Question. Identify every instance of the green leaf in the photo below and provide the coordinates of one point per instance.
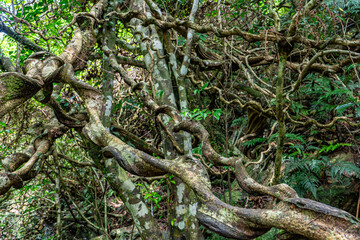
(217, 113)
(341, 108)
(160, 93)
(253, 142)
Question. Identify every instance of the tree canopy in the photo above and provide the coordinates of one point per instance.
(149, 119)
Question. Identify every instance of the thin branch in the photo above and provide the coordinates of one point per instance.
(20, 20)
(305, 71)
(21, 39)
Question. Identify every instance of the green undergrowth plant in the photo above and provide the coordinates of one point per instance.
(150, 193)
(314, 173)
(198, 114)
(329, 98)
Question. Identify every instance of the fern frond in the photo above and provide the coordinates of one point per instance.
(253, 142)
(344, 169)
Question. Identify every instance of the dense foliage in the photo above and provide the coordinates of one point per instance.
(97, 96)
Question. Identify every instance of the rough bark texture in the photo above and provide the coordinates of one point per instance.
(194, 202)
